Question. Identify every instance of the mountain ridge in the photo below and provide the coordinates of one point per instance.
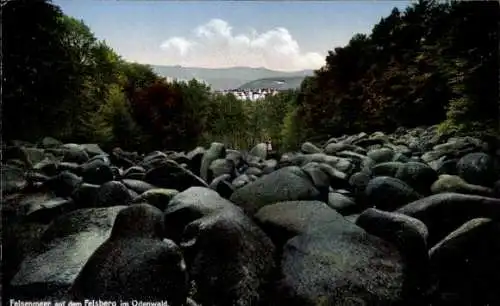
(279, 83)
(227, 77)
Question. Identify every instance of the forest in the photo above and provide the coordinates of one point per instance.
(433, 63)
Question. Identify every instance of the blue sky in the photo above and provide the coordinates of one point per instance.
(278, 35)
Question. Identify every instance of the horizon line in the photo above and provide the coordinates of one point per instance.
(223, 68)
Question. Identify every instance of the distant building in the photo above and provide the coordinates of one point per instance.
(249, 94)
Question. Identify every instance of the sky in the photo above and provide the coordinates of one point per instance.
(278, 35)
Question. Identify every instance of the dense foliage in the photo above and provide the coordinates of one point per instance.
(433, 63)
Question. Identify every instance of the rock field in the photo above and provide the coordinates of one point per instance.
(409, 218)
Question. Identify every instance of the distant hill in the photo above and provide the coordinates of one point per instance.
(227, 78)
(280, 83)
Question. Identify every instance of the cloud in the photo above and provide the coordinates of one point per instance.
(215, 45)
(179, 44)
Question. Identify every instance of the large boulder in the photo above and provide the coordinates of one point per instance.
(195, 158)
(417, 175)
(410, 236)
(20, 238)
(13, 179)
(454, 183)
(340, 264)
(388, 193)
(443, 213)
(381, 155)
(216, 151)
(190, 205)
(309, 148)
(467, 266)
(63, 184)
(134, 263)
(92, 149)
(74, 153)
(229, 258)
(158, 197)
(478, 168)
(285, 220)
(138, 186)
(49, 142)
(386, 169)
(112, 193)
(343, 204)
(219, 167)
(259, 150)
(223, 186)
(169, 174)
(96, 171)
(66, 245)
(286, 184)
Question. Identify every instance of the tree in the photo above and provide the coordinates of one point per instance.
(434, 62)
(172, 113)
(38, 69)
(113, 125)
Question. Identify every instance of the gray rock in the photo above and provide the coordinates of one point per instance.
(309, 148)
(112, 193)
(236, 157)
(478, 169)
(135, 172)
(253, 171)
(195, 156)
(333, 148)
(66, 246)
(47, 166)
(153, 160)
(285, 184)
(410, 236)
(443, 213)
(417, 175)
(216, 150)
(134, 263)
(92, 149)
(158, 197)
(222, 185)
(285, 220)
(171, 175)
(20, 238)
(44, 211)
(97, 172)
(448, 166)
(260, 150)
(388, 193)
(189, 205)
(229, 258)
(74, 153)
(466, 264)
(241, 181)
(219, 167)
(381, 155)
(270, 165)
(138, 186)
(337, 264)
(386, 169)
(359, 181)
(343, 204)
(64, 184)
(34, 155)
(49, 142)
(454, 183)
(13, 179)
